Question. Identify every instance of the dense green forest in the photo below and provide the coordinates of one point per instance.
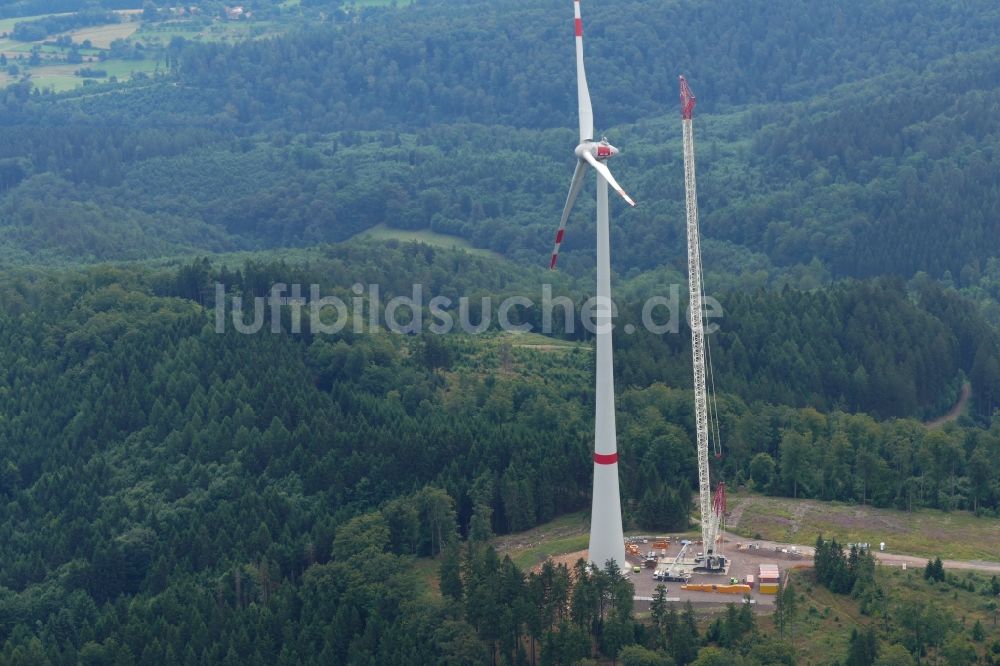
(870, 155)
(235, 476)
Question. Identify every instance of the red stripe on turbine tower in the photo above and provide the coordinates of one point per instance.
(579, 27)
(606, 459)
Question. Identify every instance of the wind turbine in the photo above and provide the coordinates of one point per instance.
(606, 537)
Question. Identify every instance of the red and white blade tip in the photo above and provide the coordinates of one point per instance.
(555, 250)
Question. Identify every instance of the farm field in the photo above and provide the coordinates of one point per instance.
(101, 36)
(60, 78)
(926, 533)
(55, 74)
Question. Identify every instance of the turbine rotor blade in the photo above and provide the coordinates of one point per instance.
(602, 169)
(582, 91)
(574, 191)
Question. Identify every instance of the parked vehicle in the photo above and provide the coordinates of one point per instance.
(671, 576)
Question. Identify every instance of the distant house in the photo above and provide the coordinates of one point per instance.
(235, 13)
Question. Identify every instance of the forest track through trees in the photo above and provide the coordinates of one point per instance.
(957, 409)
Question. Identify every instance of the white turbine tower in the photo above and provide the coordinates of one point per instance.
(606, 538)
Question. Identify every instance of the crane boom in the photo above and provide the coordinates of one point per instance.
(711, 508)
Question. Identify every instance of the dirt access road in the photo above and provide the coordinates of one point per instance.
(889, 559)
(957, 410)
(981, 566)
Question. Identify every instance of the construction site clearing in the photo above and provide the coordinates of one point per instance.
(752, 573)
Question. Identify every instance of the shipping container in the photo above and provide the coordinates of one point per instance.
(768, 588)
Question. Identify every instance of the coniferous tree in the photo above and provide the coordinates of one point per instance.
(862, 650)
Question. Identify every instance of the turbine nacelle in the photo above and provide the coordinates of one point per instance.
(588, 154)
(601, 150)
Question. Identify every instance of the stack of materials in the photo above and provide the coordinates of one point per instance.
(769, 577)
(709, 587)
